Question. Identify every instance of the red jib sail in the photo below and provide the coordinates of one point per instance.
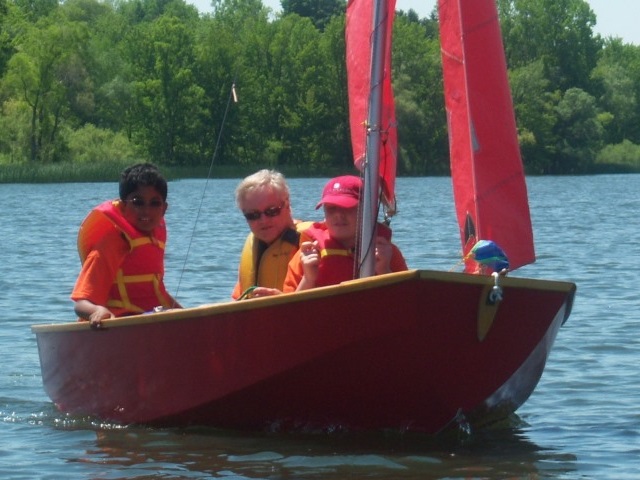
(358, 34)
(488, 178)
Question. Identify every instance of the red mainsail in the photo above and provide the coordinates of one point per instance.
(488, 178)
(358, 34)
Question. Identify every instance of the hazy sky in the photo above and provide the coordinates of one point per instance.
(617, 18)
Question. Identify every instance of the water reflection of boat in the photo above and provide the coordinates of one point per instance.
(417, 350)
(492, 453)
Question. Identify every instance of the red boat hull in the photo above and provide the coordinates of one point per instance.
(400, 351)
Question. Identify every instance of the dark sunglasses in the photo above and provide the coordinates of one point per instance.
(139, 203)
(268, 212)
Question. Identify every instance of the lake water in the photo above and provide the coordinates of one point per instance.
(582, 422)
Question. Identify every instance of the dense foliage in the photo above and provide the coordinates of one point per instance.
(87, 81)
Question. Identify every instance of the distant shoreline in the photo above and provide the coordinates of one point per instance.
(110, 172)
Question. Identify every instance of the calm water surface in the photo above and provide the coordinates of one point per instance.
(582, 422)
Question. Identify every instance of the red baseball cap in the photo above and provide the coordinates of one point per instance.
(341, 191)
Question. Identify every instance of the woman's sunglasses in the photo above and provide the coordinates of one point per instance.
(267, 212)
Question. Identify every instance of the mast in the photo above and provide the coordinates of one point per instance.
(371, 181)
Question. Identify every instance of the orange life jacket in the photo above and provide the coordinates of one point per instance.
(138, 286)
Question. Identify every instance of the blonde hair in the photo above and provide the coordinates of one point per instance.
(270, 179)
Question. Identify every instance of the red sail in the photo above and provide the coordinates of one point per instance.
(359, 27)
(488, 177)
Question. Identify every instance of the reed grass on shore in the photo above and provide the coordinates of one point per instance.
(60, 172)
(96, 172)
(110, 172)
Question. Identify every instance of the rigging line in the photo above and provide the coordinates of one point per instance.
(372, 240)
(387, 221)
(357, 264)
(232, 96)
(371, 245)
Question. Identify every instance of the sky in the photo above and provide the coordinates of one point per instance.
(616, 18)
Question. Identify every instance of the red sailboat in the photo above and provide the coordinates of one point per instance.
(464, 348)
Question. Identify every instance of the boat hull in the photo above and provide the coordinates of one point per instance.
(415, 350)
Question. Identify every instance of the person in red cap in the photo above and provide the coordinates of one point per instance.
(327, 249)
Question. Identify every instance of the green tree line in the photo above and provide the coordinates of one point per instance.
(85, 82)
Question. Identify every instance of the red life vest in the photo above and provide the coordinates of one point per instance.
(138, 286)
(337, 264)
